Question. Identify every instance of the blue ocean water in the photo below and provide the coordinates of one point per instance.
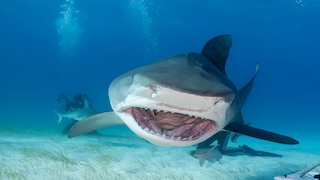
(78, 46)
(71, 46)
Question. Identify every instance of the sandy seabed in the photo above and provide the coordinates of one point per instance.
(46, 154)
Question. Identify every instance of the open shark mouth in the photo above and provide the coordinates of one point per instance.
(169, 125)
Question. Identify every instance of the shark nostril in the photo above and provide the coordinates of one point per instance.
(154, 90)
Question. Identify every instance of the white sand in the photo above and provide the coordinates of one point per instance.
(29, 154)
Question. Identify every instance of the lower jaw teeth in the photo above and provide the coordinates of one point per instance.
(163, 135)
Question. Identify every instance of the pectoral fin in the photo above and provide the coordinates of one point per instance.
(259, 133)
(94, 122)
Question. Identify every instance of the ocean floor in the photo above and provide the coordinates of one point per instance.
(119, 154)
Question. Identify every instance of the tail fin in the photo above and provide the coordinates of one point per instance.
(245, 91)
(86, 103)
(59, 116)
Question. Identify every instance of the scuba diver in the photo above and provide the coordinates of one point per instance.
(78, 101)
(76, 109)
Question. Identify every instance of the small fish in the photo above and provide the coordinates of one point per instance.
(210, 154)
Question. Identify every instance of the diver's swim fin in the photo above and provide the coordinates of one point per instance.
(259, 133)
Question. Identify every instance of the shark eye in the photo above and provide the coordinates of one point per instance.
(219, 101)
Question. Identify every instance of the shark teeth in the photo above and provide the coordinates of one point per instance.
(171, 125)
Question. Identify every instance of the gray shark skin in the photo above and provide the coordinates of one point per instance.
(77, 114)
(207, 154)
(178, 101)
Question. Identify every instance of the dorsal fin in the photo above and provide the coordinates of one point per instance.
(217, 50)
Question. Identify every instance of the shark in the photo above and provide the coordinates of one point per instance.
(77, 114)
(180, 100)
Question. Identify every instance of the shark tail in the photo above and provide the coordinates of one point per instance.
(245, 91)
(59, 116)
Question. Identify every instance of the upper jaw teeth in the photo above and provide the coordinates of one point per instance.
(172, 112)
